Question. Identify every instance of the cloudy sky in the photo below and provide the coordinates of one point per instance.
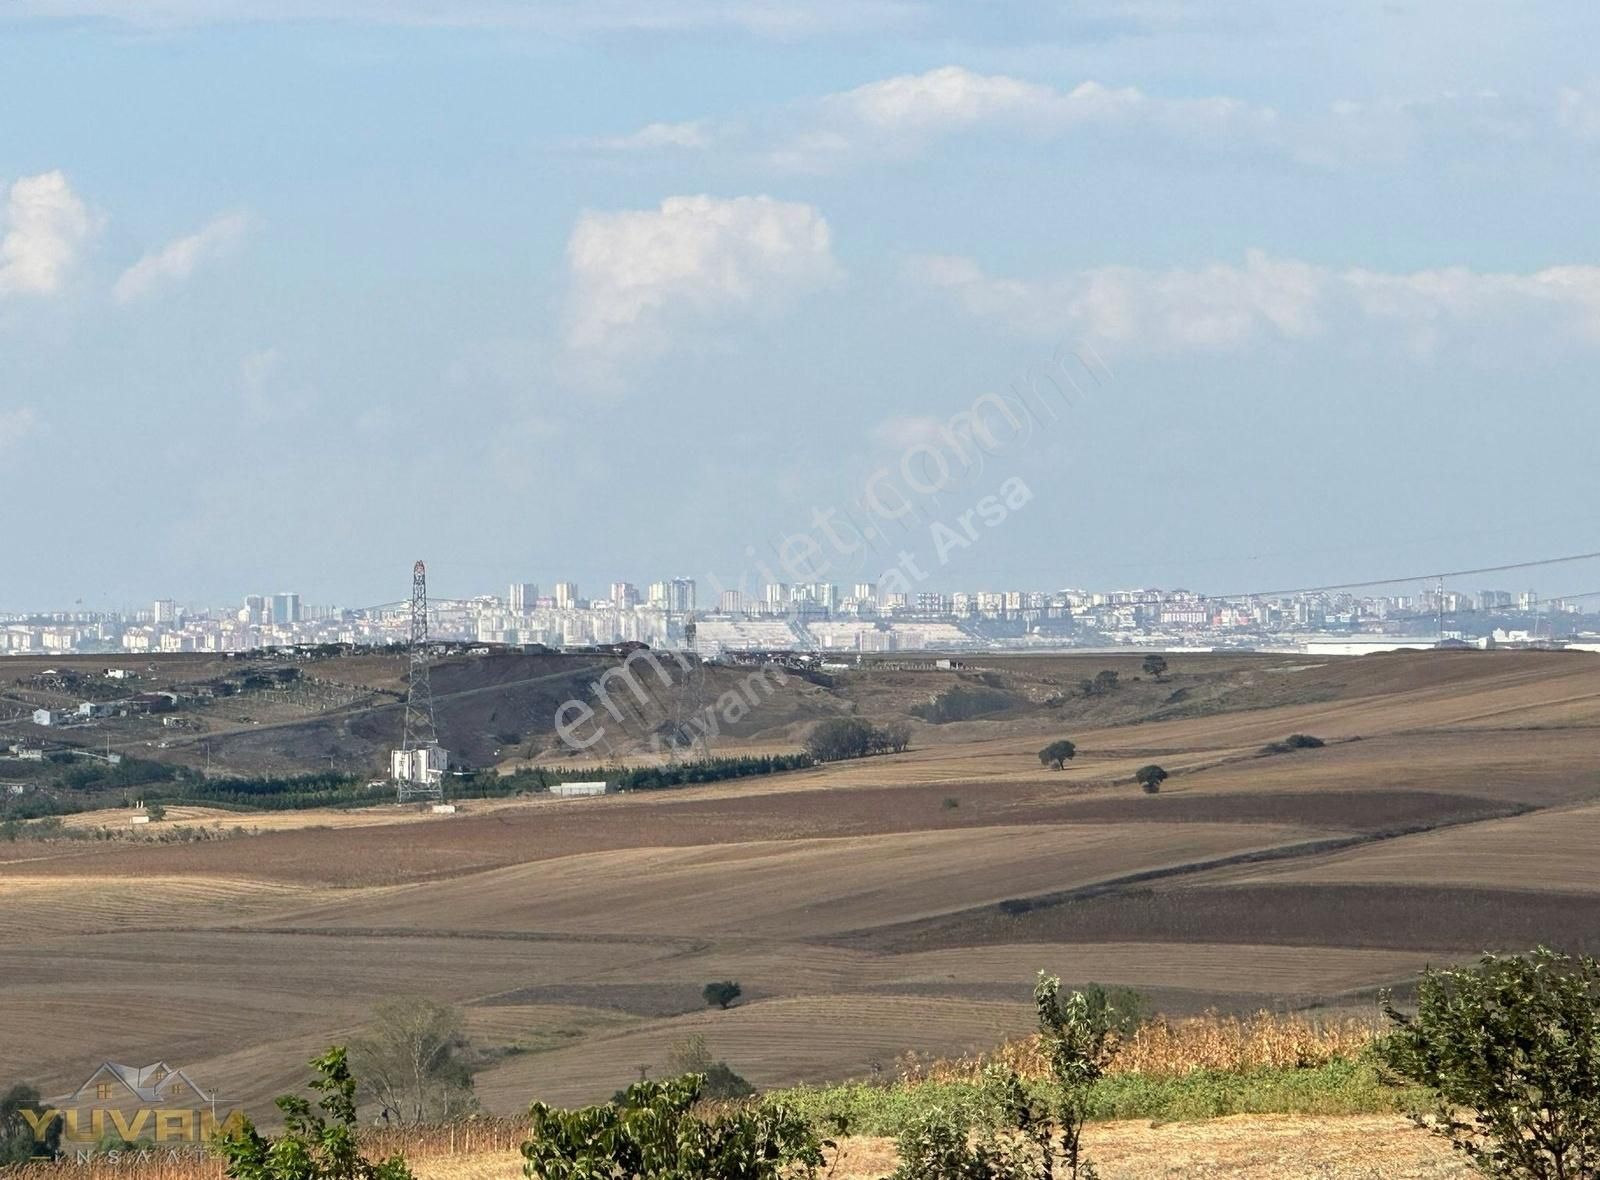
(627, 289)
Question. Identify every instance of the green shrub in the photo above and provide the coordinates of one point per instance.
(655, 1131)
(720, 993)
(941, 1146)
(313, 1146)
(1514, 1043)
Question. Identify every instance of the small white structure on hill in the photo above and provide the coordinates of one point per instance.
(577, 790)
(424, 765)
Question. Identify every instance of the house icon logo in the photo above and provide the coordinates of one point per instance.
(155, 1106)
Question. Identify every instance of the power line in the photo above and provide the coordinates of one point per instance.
(1431, 575)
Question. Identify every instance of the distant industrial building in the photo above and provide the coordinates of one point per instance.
(578, 790)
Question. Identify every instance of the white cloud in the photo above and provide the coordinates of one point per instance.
(16, 425)
(177, 260)
(658, 136)
(639, 275)
(1224, 307)
(46, 227)
(901, 114)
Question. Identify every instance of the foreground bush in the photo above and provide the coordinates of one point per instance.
(1514, 1043)
(1014, 1130)
(655, 1131)
(313, 1146)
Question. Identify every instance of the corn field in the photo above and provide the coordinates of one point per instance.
(1169, 1048)
(469, 1137)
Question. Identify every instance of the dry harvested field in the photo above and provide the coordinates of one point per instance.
(868, 909)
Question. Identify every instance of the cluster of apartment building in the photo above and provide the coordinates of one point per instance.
(824, 616)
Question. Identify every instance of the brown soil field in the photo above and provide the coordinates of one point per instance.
(1546, 850)
(900, 903)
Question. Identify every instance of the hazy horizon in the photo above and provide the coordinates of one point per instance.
(627, 291)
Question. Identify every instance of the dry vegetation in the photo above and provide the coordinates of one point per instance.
(1169, 1048)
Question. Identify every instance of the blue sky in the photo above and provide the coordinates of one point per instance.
(628, 290)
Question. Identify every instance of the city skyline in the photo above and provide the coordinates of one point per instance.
(1545, 577)
(861, 617)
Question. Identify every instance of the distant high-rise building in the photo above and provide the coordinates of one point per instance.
(522, 597)
(624, 595)
(285, 608)
(566, 595)
(731, 602)
(817, 596)
(777, 596)
(680, 595)
(165, 613)
(255, 609)
(865, 592)
(658, 595)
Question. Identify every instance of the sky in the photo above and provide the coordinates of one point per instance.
(1241, 295)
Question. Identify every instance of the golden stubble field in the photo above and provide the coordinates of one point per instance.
(868, 909)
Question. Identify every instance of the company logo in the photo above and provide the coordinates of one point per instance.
(128, 1106)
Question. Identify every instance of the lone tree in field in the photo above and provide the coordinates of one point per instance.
(1058, 754)
(1150, 778)
(1512, 1049)
(415, 1061)
(721, 992)
(1155, 665)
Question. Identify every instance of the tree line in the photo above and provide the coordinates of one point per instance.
(855, 737)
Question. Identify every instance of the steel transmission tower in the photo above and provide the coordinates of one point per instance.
(421, 734)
